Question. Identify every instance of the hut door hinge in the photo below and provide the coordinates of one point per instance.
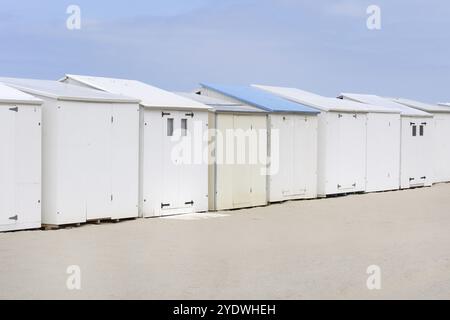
(112, 119)
(190, 115)
(165, 114)
(190, 203)
(16, 109)
(163, 205)
(14, 218)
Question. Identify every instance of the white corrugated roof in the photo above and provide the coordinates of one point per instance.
(325, 103)
(373, 99)
(11, 95)
(427, 107)
(63, 91)
(149, 96)
(220, 105)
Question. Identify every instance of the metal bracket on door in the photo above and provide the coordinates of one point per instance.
(411, 179)
(423, 178)
(424, 123)
(355, 116)
(412, 124)
(339, 186)
(354, 185)
(165, 114)
(340, 115)
(15, 218)
(191, 203)
(163, 205)
(16, 109)
(189, 114)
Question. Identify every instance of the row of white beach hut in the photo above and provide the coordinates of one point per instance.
(90, 149)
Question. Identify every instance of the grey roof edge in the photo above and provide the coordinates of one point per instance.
(423, 114)
(36, 102)
(430, 108)
(42, 93)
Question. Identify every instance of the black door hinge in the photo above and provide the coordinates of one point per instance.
(165, 114)
(189, 114)
(15, 218)
(411, 179)
(16, 109)
(163, 205)
(190, 203)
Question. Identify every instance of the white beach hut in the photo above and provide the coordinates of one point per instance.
(20, 160)
(90, 145)
(292, 161)
(441, 136)
(358, 143)
(174, 173)
(235, 184)
(416, 140)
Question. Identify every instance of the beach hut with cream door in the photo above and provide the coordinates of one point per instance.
(20, 160)
(358, 143)
(234, 183)
(292, 164)
(441, 136)
(416, 140)
(90, 147)
(174, 175)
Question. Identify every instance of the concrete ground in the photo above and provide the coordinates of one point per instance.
(317, 249)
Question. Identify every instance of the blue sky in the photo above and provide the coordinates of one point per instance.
(322, 46)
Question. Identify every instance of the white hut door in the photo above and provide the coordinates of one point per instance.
(7, 166)
(176, 186)
(97, 132)
(243, 171)
(303, 146)
(28, 165)
(352, 151)
(186, 167)
(287, 155)
(125, 158)
(423, 131)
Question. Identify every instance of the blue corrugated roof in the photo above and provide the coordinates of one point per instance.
(260, 99)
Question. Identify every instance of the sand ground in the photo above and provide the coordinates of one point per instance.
(318, 249)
